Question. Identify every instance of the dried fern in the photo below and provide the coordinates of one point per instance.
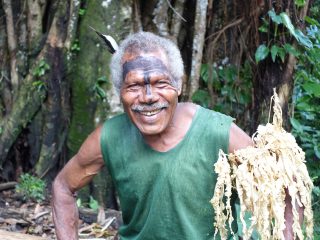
(260, 175)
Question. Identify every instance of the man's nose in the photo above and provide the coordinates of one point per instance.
(148, 95)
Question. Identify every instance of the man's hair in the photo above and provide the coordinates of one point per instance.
(146, 42)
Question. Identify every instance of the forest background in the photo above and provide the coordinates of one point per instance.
(55, 86)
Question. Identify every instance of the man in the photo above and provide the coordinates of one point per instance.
(160, 153)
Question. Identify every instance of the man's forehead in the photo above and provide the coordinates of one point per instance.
(146, 64)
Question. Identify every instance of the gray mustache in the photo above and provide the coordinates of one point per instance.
(149, 107)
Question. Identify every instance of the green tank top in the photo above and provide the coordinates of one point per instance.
(165, 195)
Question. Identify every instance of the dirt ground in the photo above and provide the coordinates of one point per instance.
(30, 217)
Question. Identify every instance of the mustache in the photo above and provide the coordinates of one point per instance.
(149, 107)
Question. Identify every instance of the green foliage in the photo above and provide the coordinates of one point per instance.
(31, 187)
(306, 119)
(75, 47)
(93, 204)
(306, 97)
(40, 70)
(262, 52)
(231, 85)
(300, 3)
(276, 46)
(98, 88)
(82, 11)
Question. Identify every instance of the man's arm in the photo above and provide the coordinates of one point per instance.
(238, 139)
(78, 172)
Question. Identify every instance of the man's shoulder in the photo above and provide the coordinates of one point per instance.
(213, 114)
(116, 119)
(114, 122)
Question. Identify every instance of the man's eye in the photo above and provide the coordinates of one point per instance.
(162, 83)
(134, 87)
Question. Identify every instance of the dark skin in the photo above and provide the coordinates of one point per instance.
(151, 102)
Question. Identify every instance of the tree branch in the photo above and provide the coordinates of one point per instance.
(73, 21)
(7, 185)
(176, 20)
(136, 16)
(218, 33)
(160, 19)
(30, 97)
(198, 42)
(12, 43)
(34, 21)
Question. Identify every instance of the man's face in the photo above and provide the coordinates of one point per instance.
(147, 93)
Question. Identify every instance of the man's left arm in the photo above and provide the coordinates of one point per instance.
(238, 139)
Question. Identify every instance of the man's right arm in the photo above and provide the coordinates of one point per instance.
(78, 172)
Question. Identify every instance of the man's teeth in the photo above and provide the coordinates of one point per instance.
(150, 113)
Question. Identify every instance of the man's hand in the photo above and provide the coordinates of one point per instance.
(78, 172)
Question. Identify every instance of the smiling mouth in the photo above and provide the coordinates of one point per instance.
(150, 113)
(149, 110)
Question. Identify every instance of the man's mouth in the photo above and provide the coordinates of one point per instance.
(149, 110)
(150, 113)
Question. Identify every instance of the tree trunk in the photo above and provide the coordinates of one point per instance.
(30, 98)
(12, 43)
(24, 108)
(92, 63)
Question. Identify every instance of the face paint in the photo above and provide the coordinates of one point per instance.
(146, 79)
(148, 75)
(147, 65)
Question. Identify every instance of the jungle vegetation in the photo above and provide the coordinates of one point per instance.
(55, 87)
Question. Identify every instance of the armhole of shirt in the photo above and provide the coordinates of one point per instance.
(103, 143)
(230, 121)
(223, 125)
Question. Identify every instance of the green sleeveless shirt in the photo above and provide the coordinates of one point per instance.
(165, 195)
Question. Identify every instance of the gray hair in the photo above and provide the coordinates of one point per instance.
(147, 42)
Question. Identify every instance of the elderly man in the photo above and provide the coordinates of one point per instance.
(160, 153)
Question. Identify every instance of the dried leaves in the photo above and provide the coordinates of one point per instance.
(261, 175)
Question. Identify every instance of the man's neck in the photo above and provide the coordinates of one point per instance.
(178, 128)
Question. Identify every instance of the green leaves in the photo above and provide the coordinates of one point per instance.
(290, 49)
(93, 204)
(296, 125)
(300, 3)
(275, 45)
(312, 21)
(312, 88)
(201, 97)
(41, 69)
(274, 17)
(261, 53)
(230, 88)
(31, 187)
(296, 33)
(98, 87)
